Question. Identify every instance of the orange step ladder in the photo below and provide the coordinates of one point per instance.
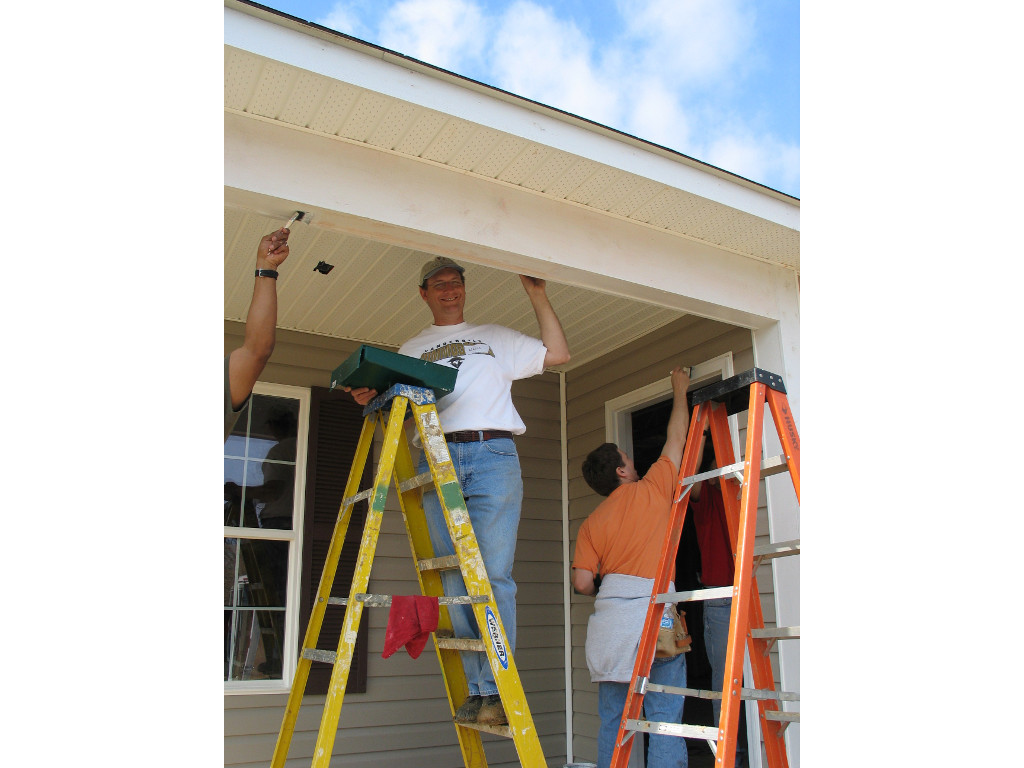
(712, 405)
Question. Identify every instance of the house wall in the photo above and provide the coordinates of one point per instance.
(403, 718)
(687, 341)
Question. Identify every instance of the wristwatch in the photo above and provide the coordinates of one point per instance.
(266, 273)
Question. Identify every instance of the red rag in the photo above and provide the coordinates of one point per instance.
(410, 621)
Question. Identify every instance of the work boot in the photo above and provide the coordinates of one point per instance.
(492, 712)
(468, 711)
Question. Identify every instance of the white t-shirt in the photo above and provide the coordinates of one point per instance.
(488, 358)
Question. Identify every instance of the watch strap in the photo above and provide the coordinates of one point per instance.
(266, 273)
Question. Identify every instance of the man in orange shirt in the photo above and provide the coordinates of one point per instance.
(618, 548)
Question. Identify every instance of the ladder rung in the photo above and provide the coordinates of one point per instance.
(778, 549)
(382, 601)
(769, 467)
(407, 485)
(497, 730)
(674, 729)
(782, 717)
(711, 593)
(348, 502)
(415, 482)
(778, 633)
(774, 466)
(752, 694)
(438, 563)
(460, 644)
(315, 654)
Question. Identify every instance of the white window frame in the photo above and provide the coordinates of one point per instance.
(618, 413)
(294, 537)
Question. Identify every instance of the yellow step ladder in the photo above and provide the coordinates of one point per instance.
(753, 391)
(390, 410)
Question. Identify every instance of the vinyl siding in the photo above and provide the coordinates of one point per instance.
(403, 718)
(687, 341)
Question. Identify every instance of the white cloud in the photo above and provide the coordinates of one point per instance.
(656, 114)
(687, 42)
(758, 158)
(344, 18)
(539, 56)
(447, 33)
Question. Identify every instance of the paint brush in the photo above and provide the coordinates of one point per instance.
(297, 216)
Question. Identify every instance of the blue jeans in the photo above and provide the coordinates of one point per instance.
(492, 484)
(716, 640)
(662, 751)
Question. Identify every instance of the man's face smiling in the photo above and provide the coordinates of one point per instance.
(445, 294)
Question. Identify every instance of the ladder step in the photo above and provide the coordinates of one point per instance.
(415, 482)
(315, 654)
(350, 500)
(450, 562)
(774, 466)
(711, 593)
(778, 549)
(408, 485)
(782, 717)
(460, 644)
(778, 633)
(752, 694)
(383, 601)
(674, 729)
(497, 730)
(769, 467)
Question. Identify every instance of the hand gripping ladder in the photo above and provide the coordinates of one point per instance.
(396, 461)
(712, 405)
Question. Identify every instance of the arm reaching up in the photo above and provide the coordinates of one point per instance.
(679, 419)
(551, 332)
(246, 363)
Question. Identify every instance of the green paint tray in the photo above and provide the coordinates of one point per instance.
(380, 370)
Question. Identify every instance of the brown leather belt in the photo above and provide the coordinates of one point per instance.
(475, 435)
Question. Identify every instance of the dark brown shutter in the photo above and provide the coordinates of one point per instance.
(335, 422)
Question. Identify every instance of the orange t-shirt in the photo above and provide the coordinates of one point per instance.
(626, 532)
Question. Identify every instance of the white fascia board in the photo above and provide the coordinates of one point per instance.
(375, 71)
(355, 188)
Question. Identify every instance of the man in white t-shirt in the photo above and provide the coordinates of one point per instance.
(479, 421)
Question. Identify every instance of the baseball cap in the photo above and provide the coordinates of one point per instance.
(435, 265)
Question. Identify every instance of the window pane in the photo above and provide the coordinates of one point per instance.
(230, 574)
(270, 469)
(235, 444)
(262, 573)
(275, 423)
(269, 490)
(253, 645)
(238, 505)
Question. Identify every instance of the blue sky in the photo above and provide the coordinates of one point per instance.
(718, 80)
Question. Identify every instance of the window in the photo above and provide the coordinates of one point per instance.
(285, 468)
(264, 485)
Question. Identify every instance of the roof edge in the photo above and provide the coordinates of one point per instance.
(333, 36)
